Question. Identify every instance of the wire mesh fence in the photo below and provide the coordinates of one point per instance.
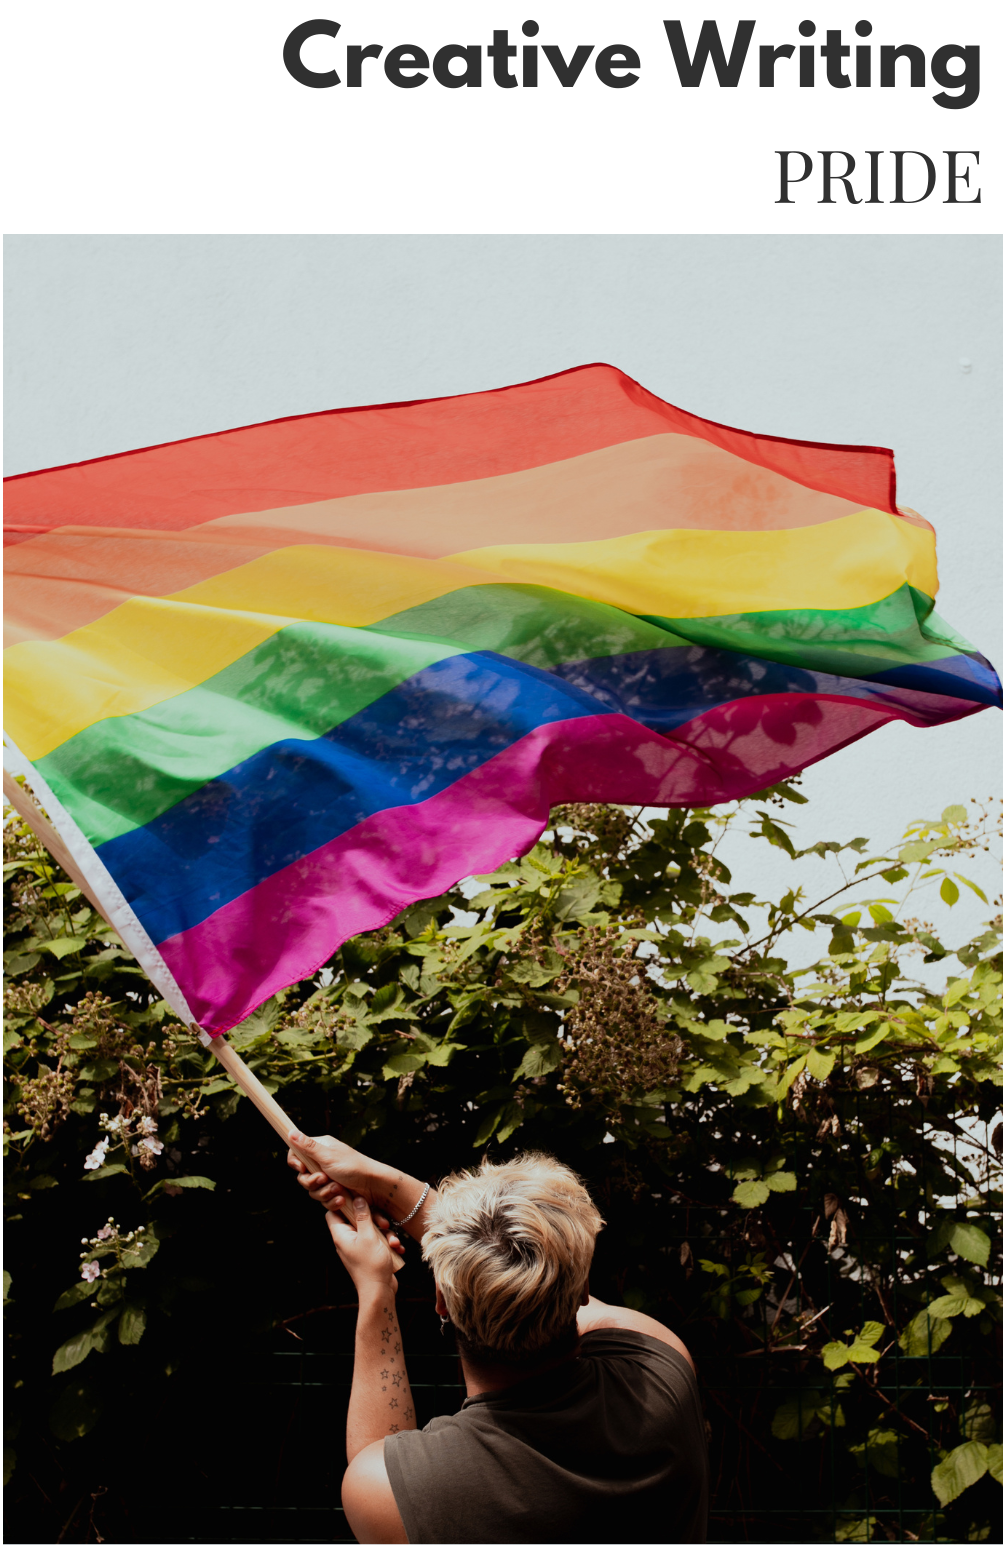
(779, 1422)
(800, 1451)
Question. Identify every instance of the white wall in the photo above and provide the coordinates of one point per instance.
(117, 342)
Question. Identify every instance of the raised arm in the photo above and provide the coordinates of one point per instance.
(381, 1402)
(385, 1188)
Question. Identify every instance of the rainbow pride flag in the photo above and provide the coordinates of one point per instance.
(276, 683)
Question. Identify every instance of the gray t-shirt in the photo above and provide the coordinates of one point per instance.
(608, 1446)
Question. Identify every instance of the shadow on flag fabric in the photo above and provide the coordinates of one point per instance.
(274, 684)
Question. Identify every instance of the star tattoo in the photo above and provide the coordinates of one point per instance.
(394, 1427)
(393, 1403)
(383, 1389)
(408, 1413)
(385, 1336)
(398, 1377)
(397, 1346)
(384, 1374)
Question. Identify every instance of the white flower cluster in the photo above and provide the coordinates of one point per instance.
(147, 1145)
(98, 1154)
(90, 1270)
(108, 1234)
(147, 1136)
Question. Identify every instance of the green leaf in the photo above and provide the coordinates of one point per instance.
(62, 947)
(94, 1339)
(142, 1250)
(75, 1295)
(443, 1055)
(775, 835)
(747, 1079)
(994, 1461)
(533, 973)
(950, 1305)
(963, 1466)
(132, 1324)
(74, 1412)
(353, 1037)
(751, 1193)
(106, 1170)
(793, 1069)
(257, 1025)
(9, 1461)
(512, 1117)
(782, 1180)
(42, 1183)
(973, 887)
(871, 1039)
(957, 990)
(850, 1530)
(539, 1060)
(863, 1354)
(949, 891)
(189, 1183)
(99, 1071)
(955, 815)
(403, 1062)
(820, 1063)
(388, 1002)
(879, 1451)
(794, 1417)
(970, 1242)
(487, 1127)
(835, 1354)
(924, 1335)
(977, 1421)
(916, 852)
(17, 965)
(578, 898)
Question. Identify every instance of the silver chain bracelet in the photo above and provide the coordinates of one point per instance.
(399, 1223)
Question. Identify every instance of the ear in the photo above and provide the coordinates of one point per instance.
(585, 1292)
(440, 1303)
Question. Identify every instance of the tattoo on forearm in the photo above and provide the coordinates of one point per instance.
(394, 1381)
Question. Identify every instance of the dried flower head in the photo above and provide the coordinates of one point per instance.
(615, 1042)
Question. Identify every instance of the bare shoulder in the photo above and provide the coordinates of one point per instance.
(368, 1500)
(595, 1315)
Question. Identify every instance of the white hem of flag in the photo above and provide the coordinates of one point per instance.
(130, 930)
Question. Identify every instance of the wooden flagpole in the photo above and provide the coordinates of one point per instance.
(231, 1061)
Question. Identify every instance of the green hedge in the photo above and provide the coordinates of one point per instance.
(793, 1163)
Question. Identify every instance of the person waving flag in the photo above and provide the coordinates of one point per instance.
(271, 685)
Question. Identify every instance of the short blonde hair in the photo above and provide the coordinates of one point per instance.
(511, 1246)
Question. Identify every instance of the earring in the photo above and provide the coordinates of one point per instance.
(443, 1322)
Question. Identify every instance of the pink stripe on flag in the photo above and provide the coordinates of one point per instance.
(286, 927)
